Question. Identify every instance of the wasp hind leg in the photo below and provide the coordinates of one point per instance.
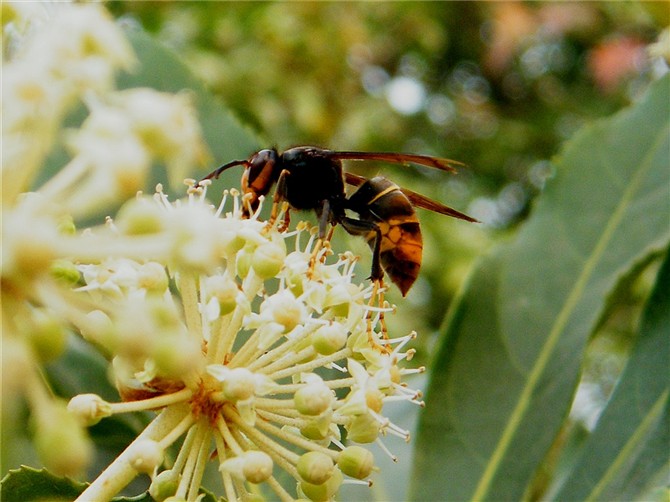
(376, 306)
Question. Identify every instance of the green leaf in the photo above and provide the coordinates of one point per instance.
(626, 456)
(91, 375)
(504, 377)
(27, 484)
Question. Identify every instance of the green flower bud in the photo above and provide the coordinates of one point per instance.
(268, 259)
(340, 298)
(315, 467)
(98, 328)
(61, 442)
(316, 430)
(66, 271)
(164, 485)
(225, 290)
(243, 262)
(66, 225)
(176, 355)
(363, 429)
(140, 217)
(153, 278)
(329, 338)
(48, 336)
(323, 491)
(356, 461)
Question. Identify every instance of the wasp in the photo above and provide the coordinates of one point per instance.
(312, 178)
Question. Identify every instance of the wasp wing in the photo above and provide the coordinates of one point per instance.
(420, 201)
(354, 179)
(398, 158)
(416, 199)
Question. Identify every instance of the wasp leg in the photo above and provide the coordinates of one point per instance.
(279, 197)
(324, 214)
(359, 227)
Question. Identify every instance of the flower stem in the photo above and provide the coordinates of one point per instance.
(121, 472)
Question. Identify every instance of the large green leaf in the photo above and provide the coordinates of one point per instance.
(27, 485)
(504, 377)
(629, 449)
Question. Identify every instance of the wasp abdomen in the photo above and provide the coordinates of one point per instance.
(401, 243)
(401, 251)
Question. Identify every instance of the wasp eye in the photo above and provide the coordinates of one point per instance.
(259, 176)
(262, 164)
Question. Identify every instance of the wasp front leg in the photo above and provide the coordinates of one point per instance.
(280, 204)
(324, 214)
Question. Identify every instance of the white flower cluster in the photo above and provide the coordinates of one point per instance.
(256, 348)
(58, 57)
(262, 355)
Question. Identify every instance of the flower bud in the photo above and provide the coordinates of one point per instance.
(257, 466)
(316, 429)
(268, 258)
(329, 338)
(164, 485)
(363, 429)
(243, 262)
(239, 384)
(17, 363)
(356, 461)
(48, 336)
(146, 455)
(286, 309)
(61, 441)
(175, 356)
(66, 225)
(315, 467)
(89, 408)
(253, 466)
(313, 398)
(140, 217)
(225, 290)
(323, 491)
(97, 327)
(341, 297)
(66, 271)
(152, 277)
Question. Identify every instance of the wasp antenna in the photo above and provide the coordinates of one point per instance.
(217, 172)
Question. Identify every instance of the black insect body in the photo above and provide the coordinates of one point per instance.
(311, 178)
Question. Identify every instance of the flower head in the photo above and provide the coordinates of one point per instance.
(249, 369)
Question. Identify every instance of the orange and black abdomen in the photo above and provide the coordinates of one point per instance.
(381, 201)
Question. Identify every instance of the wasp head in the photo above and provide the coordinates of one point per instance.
(261, 173)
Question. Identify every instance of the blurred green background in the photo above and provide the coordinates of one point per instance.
(498, 86)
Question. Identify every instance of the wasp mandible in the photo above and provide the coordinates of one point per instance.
(312, 178)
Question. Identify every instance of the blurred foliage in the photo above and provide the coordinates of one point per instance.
(497, 85)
